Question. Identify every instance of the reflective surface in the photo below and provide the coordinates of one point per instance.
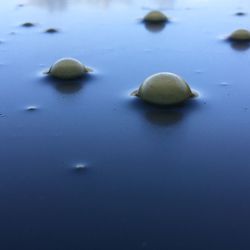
(157, 178)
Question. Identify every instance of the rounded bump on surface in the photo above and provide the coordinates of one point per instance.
(155, 16)
(240, 35)
(51, 31)
(28, 24)
(165, 89)
(68, 69)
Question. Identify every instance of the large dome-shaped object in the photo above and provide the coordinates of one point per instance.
(164, 89)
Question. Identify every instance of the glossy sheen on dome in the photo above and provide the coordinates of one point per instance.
(164, 89)
(67, 69)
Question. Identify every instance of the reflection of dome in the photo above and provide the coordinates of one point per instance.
(69, 88)
(155, 27)
(164, 117)
(240, 46)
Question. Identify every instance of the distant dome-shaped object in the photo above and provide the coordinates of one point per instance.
(155, 16)
(68, 69)
(164, 89)
(240, 13)
(51, 30)
(240, 35)
(28, 24)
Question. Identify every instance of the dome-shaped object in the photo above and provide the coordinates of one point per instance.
(68, 68)
(155, 16)
(28, 24)
(240, 35)
(164, 89)
(51, 30)
(240, 13)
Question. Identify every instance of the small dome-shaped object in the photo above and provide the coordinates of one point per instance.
(155, 16)
(240, 35)
(240, 13)
(28, 24)
(51, 30)
(68, 69)
(164, 89)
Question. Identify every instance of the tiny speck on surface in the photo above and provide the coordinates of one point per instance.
(28, 24)
(80, 166)
(224, 84)
(198, 71)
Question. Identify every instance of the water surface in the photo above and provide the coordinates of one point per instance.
(157, 178)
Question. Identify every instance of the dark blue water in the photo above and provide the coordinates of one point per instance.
(156, 178)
